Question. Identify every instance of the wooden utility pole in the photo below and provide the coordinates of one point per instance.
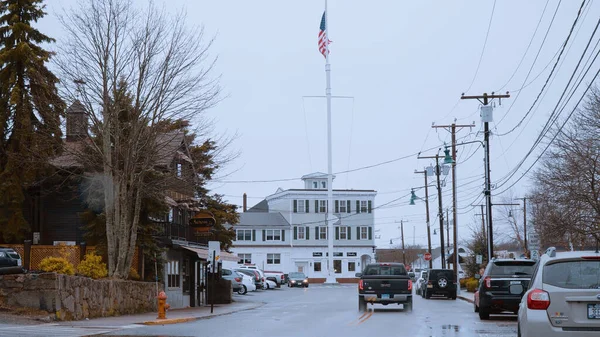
(525, 226)
(438, 172)
(486, 117)
(403, 249)
(452, 129)
(427, 217)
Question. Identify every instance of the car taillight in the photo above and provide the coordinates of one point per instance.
(360, 285)
(538, 299)
(488, 282)
(263, 279)
(409, 284)
(282, 277)
(591, 257)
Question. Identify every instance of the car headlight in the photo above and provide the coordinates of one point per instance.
(305, 281)
(293, 281)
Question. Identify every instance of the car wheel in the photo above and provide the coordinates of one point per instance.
(408, 306)
(454, 296)
(243, 290)
(475, 307)
(362, 304)
(484, 314)
(306, 286)
(518, 330)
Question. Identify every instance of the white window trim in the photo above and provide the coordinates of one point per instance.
(344, 231)
(364, 208)
(273, 234)
(322, 206)
(301, 235)
(301, 206)
(366, 233)
(322, 230)
(244, 235)
(179, 168)
(245, 256)
(271, 258)
(343, 208)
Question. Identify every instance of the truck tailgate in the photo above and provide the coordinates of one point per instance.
(385, 284)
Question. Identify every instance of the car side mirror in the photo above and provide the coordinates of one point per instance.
(358, 274)
(477, 276)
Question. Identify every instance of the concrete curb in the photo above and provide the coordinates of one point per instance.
(189, 319)
(465, 299)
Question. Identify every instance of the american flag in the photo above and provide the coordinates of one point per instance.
(323, 40)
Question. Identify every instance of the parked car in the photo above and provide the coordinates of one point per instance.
(263, 277)
(234, 277)
(440, 282)
(412, 275)
(384, 283)
(296, 279)
(563, 298)
(10, 261)
(270, 284)
(247, 283)
(255, 275)
(502, 286)
(421, 281)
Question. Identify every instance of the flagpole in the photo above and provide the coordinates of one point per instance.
(330, 270)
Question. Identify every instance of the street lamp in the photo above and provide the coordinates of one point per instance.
(447, 157)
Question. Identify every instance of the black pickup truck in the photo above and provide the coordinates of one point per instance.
(384, 283)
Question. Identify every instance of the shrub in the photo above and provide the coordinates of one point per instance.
(472, 285)
(463, 282)
(92, 266)
(57, 264)
(133, 274)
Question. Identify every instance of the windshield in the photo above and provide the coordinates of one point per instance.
(512, 268)
(297, 275)
(573, 274)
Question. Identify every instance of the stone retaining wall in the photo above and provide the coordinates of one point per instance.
(77, 297)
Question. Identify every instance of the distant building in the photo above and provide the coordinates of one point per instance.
(287, 230)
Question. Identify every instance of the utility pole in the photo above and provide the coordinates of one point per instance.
(438, 172)
(427, 217)
(483, 223)
(525, 226)
(454, 197)
(486, 118)
(447, 230)
(403, 249)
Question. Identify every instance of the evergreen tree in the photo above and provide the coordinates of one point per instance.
(30, 110)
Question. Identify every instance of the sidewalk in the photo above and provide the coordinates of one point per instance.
(173, 316)
(465, 295)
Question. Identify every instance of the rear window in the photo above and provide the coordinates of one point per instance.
(573, 274)
(385, 270)
(512, 268)
(297, 275)
(445, 273)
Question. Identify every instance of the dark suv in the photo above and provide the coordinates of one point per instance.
(440, 282)
(502, 286)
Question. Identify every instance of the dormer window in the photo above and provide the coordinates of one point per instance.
(178, 169)
(323, 184)
(315, 185)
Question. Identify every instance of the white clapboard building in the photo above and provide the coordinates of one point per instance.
(287, 231)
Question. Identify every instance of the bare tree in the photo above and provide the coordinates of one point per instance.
(135, 70)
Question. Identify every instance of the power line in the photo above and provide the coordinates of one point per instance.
(484, 44)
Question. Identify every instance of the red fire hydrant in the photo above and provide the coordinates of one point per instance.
(162, 305)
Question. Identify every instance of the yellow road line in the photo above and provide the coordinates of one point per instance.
(358, 319)
(366, 318)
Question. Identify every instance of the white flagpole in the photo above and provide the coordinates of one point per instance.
(330, 232)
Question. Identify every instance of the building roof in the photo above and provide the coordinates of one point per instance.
(318, 175)
(262, 207)
(168, 145)
(262, 219)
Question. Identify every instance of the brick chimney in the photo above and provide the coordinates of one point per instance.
(244, 202)
(76, 122)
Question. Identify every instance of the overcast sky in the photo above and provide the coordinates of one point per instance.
(405, 63)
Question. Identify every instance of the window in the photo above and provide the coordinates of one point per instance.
(301, 206)
(185, 273)
(315, 185)
(351, 266)
(317, 266)
(363, 206)
(364, 233)
(337, 266)
(273, 258)
(323, 206)
(170, 216)
(343, 233)
(273, 234)
(245, 258)
(179, 169)
(244, 235)
(343, 206)
(323, 233)
(173, 274)
(323, 184)
(301, 233)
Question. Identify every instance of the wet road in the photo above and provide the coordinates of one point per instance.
(333, 311)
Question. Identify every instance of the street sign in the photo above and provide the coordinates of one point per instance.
(427, 256)
(214, 254)
(535, 255)
(479, 259)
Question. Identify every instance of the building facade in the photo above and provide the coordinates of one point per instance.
(287, 231)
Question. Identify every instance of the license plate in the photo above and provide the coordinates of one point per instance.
(19, 263)
(593, 311)
(515, 282)
(430, 286)
(385, 296)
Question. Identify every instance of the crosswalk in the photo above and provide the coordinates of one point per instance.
(53, 329)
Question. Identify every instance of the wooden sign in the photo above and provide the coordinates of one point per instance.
(202, 219)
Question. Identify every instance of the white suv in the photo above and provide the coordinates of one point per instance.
(563, 298)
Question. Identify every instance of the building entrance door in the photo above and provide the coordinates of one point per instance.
(302, 267)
